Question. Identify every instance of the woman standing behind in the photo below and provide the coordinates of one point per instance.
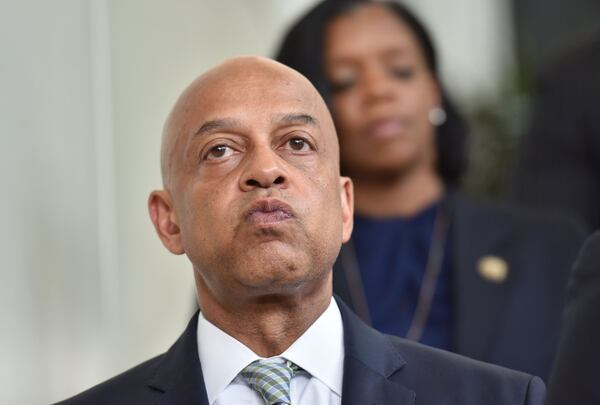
(425, 262)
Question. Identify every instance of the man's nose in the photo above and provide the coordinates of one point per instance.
(265, 169)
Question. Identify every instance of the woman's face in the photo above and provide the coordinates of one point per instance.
(382, 92)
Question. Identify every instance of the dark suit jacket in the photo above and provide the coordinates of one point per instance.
(378, 369)
(514, 323)
(559, 159)
(576, 375)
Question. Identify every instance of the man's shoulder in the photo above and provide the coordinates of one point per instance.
(128, 387)
(437, 375)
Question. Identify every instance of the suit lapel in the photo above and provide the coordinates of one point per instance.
(179, 375)
(480, 302)
(370, 361)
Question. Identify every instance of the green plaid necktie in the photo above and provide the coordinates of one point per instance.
(271, 380)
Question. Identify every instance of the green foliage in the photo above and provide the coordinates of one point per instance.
(495, 128)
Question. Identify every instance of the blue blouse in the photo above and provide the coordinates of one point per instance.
(392, 254)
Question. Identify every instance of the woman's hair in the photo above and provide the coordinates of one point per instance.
(303, 49)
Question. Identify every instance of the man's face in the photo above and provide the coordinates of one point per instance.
(256, 200)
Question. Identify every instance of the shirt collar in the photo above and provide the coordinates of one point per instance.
(319, 351)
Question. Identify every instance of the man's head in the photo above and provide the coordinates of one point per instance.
(252, 191)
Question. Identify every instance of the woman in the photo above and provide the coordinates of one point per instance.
(424, 261)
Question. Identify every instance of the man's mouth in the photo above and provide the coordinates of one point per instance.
(269, 211)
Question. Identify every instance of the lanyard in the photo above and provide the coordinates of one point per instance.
(433, 268)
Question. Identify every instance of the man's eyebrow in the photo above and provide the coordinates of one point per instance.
(296, 118)
(216, 125)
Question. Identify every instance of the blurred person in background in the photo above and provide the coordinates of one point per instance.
(575, 374)
(559, 159)
(425, 261)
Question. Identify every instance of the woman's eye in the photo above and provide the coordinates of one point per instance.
(218, 152)
(341, 86)
(299, 145)
(342, 79)
(403, 72)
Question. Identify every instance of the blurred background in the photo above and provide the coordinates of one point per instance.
(85, 86)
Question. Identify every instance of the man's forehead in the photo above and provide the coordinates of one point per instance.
(243, 100)
(276, 119)
(225, 96)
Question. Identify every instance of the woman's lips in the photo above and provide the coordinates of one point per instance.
(386, 128)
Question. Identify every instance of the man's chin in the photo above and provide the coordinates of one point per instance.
(275, 267)
(271, 248)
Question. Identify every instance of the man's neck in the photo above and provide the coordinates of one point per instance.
(268, 325)
(404, 195)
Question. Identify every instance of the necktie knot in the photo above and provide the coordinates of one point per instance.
(271, 380)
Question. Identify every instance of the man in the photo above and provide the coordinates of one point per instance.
(575, 376)
(253, 196)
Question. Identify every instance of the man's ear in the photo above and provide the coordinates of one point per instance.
(347, 198)
(162, 214)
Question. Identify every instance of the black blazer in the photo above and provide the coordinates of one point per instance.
(378, 369)
(576, 375)
(514, 323)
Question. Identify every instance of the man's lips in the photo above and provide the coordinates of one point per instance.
(269, 211)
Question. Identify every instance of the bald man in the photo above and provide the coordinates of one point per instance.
(253, 196)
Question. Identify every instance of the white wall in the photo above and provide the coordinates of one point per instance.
(474, 40)
(84, 88)
(49, 302)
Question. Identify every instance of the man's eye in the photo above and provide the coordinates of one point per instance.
(218, 152)
(299, 145)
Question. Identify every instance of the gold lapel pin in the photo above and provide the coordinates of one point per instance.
(493, 269)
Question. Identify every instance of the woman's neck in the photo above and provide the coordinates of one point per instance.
(404, 196)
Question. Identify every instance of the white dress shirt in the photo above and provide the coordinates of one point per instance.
(319, 352)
